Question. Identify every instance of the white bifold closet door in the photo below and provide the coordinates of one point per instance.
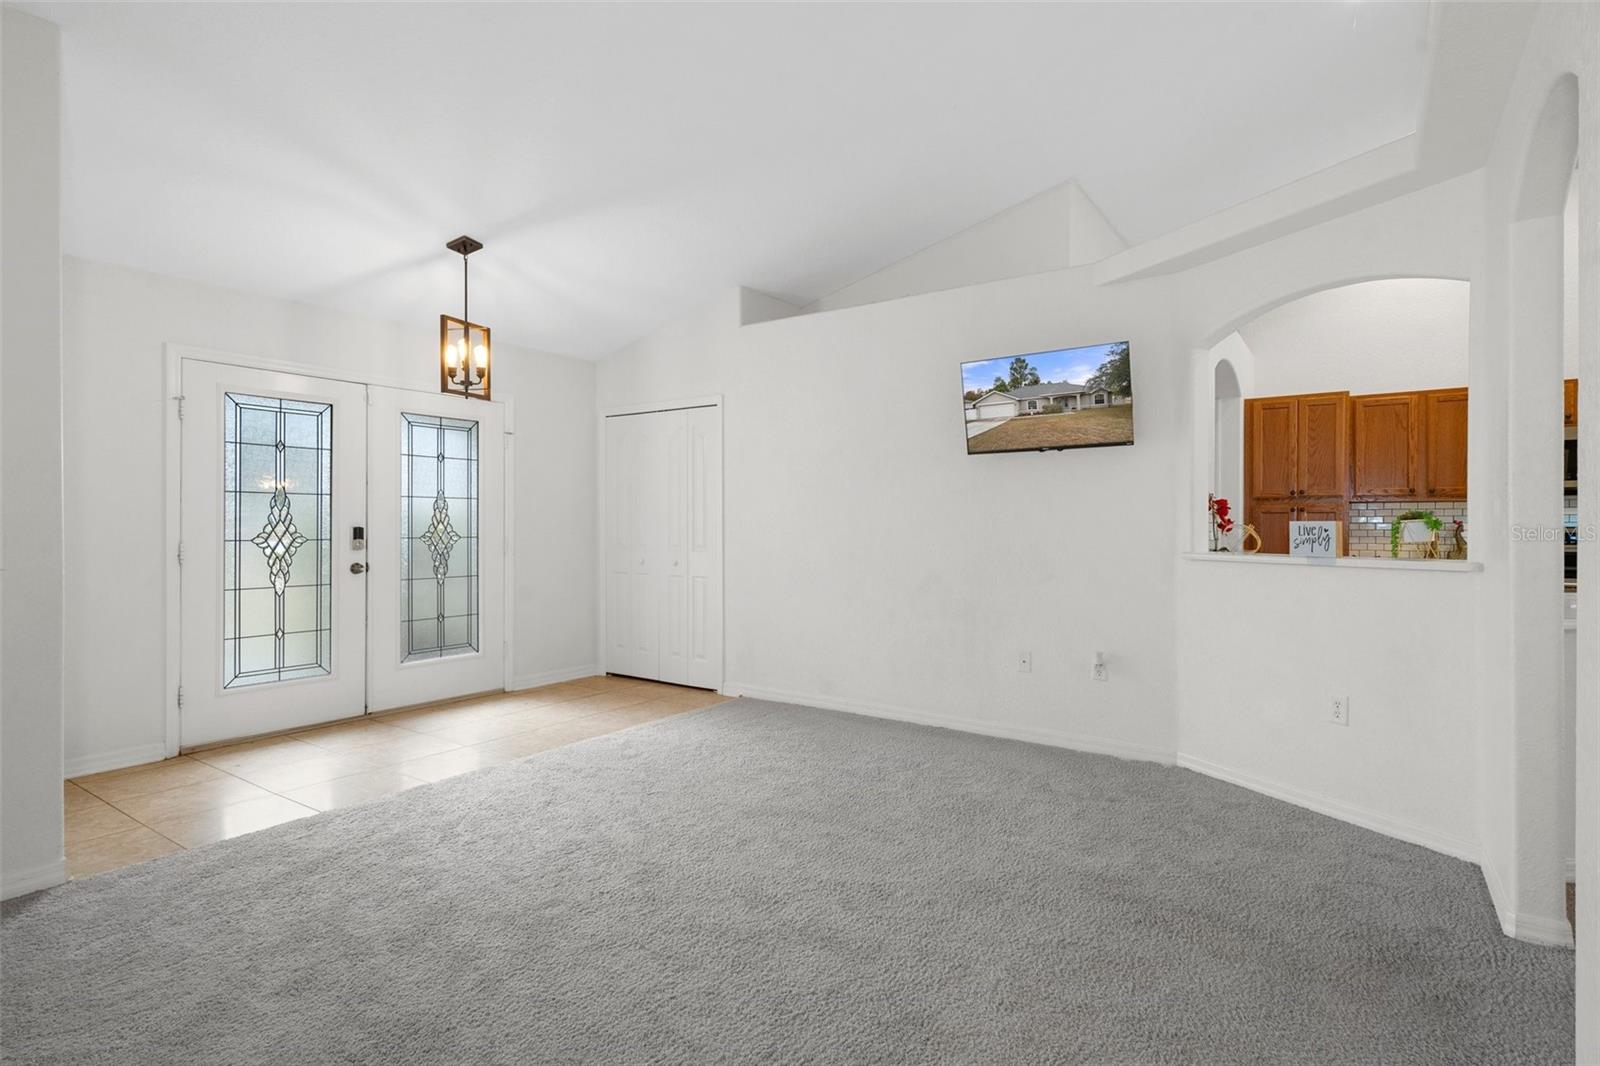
(664, 546)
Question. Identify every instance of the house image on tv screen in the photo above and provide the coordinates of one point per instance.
(1066, 398)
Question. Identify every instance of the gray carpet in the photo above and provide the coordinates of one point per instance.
(759, 883)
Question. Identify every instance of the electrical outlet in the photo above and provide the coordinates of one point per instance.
(1340, 714)
(1025, 662)
(1097, 668)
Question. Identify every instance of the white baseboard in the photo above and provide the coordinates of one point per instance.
(1552, 931)
(113, 760)
(553, 677)
(1053, 737)
(1456, 847)
(1498, 897)
(1531, 928)
(21, 882)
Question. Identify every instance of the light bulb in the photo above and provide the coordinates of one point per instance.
(452, 358)
(480, 356)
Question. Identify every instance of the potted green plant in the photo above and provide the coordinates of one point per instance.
(1413, 527)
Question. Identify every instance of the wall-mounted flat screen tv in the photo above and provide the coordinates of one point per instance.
(1044, 401)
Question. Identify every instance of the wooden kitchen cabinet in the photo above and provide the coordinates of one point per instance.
(1322, 511)
(1306, 457)
(1270, 436)
(1569, 401)
(1445, 416)
(1272, 517)
(1387, 444)
(1297, 463)
(1298, 445)
(1322, 452)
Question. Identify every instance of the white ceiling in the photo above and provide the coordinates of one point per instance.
(625, 163)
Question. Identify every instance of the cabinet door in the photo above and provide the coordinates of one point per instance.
(1271, 519)
(1322, 444)
(1446, 418)
(1271, 439)
(1387, 444)
(1569, 396)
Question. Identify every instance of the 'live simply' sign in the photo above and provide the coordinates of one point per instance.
(1316, 539)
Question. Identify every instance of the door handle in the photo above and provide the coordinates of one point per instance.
(358, 568)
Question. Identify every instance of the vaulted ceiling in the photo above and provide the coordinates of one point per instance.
(625, 163)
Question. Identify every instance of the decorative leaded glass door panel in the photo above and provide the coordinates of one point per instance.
(436, 592)
(273, 618)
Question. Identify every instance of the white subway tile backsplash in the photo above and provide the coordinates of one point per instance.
(1368, 532)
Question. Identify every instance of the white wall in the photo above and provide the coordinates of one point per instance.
(1565, 42)
(865, 565)
(1569, 277)
(1262, 649)
(1055, 230)
(865, 570)
(1517, 351)
(30, 444)
(1390, 335)
(117, 323)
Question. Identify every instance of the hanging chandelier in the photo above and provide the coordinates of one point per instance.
(464, 350)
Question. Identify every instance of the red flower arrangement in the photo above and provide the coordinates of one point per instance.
(1221, 519)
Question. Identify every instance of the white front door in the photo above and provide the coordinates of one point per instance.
(341, 550)
(436, 595)
(664, 546)
(273, 621)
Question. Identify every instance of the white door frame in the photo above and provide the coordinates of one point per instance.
(172, 487)
(714, 401)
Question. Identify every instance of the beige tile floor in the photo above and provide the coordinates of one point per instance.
(126, 816)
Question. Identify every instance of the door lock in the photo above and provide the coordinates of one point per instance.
(358, 568)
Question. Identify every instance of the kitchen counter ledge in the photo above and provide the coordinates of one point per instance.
(1344, 562)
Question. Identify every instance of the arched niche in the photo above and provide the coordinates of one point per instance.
(1227, 460)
